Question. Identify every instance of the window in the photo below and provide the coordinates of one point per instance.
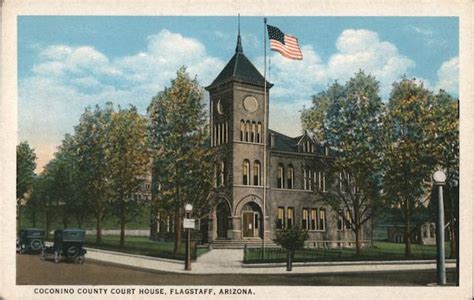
(348, 219)
(290, 217)
(323, 183)
(215, 135)
(215, 176)
(222, 137)
(305, 179)
(305, 219)
(253, 134)
(291, 177)
(256, 173)
(322, 220)
(242, 129)
(280, 218)
(246, 173)
(259, 132)
(280, 172)
(340, 220)
(247, 131)
(222, 173)
(315, 180)
(314, 219)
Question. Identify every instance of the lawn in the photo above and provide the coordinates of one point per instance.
(142, 246)
(380, 251)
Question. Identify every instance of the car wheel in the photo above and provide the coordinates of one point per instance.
(56, 257)
(80, 259)
(36, 245)
(18, 245)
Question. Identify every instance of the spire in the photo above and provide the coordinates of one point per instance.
(238, 48)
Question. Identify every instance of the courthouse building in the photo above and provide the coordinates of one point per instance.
(242, 211)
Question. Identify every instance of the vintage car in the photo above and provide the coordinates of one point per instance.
(67, 243)
(30, 240)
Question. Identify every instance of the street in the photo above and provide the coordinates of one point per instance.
(32, 271)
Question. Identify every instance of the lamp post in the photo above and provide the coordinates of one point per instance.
(188, 209)
(439, 179)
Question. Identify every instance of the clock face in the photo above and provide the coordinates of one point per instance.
(220, 107)
(250, 103)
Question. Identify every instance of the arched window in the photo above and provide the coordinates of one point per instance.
(254, 133)
(242, 130)
(246, 172)
(259, 132)
(247, 131)
(280, 177)
(291, 177)
(256, 173)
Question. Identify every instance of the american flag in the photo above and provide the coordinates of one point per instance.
(285, 44)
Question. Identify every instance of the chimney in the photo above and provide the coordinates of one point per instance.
(272, 140)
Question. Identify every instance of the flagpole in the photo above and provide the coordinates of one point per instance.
(265, 132)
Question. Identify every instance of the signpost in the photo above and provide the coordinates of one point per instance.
(188, 224)
(439, 179)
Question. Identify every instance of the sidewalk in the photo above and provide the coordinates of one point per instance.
(229, 261)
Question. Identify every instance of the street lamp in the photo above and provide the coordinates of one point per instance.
(188, 208)
(439, 179)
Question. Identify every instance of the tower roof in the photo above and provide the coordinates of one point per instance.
(240, 69)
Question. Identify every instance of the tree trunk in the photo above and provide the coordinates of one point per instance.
(18, 215)
(98, 237)
(357, 237)
(177, 231)
(289, 260)
(452, 231)
(407, 238)
(153, 223)
(48, 223)
(122, 225)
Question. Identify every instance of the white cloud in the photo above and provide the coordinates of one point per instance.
(448, 76)
(360, 49)
(66, 79)
(357, 49)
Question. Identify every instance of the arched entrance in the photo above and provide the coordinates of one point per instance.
(223, 220)
(251, 221)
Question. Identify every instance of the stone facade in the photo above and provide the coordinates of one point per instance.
(239, 98)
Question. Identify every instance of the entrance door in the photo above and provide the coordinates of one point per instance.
(222, 220)
(248, 224)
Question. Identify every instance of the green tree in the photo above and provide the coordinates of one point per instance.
(291, 239)
(347, 118)
(25, 167)
(126, 153)
(42, 198)
(179, 136)
(89, 143)
(444, 129)
(408, 153)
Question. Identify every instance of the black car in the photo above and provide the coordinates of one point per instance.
(67, 243)
(30, 240)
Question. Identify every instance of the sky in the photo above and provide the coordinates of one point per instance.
(66, 63)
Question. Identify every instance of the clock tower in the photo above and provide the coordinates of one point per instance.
(238, 121)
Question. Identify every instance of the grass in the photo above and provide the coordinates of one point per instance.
(142, 246)
(380, 251)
